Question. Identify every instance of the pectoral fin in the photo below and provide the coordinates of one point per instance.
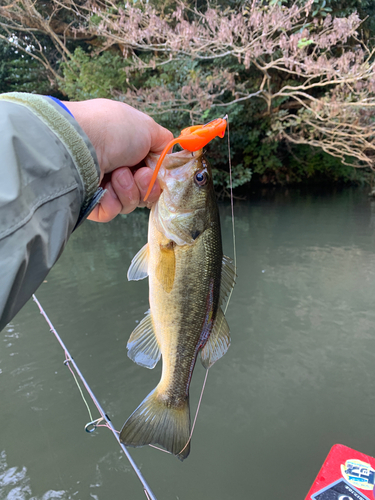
(218, 342)
(228, 278)
(138, 269)
(143, 347)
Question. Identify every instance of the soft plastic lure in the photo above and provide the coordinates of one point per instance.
(192, 139)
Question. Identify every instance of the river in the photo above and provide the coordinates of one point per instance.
(298, 377)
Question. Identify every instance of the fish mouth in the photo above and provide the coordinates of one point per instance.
(173, 160)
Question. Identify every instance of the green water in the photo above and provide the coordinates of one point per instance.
(298, 378)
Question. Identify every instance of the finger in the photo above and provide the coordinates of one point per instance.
(126, 189)
(142, 178)
(108, 207)
(160, 137)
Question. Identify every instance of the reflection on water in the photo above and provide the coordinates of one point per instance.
(15, 484)
(298, 377)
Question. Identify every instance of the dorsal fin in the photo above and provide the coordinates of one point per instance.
(218, 342)
(143, 347)
(138, 269)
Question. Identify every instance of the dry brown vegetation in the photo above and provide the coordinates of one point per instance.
(315, 75)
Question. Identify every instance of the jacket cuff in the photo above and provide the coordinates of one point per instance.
(69, 133)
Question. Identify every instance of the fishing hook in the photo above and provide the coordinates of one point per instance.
(192, 139)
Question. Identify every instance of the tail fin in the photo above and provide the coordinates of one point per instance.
(154, 422)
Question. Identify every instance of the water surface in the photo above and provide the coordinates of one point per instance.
(298, 378)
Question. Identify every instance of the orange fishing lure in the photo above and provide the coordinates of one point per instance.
(192, 139)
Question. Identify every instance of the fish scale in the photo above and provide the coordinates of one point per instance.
(185, 264)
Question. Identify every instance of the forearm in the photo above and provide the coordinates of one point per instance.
(49, 173)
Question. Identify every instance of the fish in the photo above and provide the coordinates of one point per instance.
(189, 281)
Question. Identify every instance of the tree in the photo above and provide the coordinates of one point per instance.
(284, 73)
(20, 72)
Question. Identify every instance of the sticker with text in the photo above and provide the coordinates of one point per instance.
(359, 474)
(339, 490)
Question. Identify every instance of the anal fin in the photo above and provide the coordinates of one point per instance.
(228, 278)
(218, 342)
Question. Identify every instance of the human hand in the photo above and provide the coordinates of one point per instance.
(122, 137)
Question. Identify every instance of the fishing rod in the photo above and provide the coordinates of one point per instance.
(92, 425)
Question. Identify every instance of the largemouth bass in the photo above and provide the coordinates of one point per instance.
(189, 278)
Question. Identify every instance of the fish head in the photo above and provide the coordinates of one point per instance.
(187, 206)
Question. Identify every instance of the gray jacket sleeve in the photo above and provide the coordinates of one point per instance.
(48, 176)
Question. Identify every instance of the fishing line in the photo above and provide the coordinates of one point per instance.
(93, 424)
(104, 417)
(235, 269)
(66, 363)
(196, 413)
(232, 209)
(194, 421)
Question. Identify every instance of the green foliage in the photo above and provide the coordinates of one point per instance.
(94, 72)
(89, 76)
(240, 176)
(260, 153)
(342, 8)
(20, 72)
(306, 163)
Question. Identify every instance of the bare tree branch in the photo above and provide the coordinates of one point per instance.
(316, 75)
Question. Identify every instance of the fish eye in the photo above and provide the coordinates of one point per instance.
(200, 178)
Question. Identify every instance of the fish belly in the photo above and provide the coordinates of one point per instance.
(184, 286)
